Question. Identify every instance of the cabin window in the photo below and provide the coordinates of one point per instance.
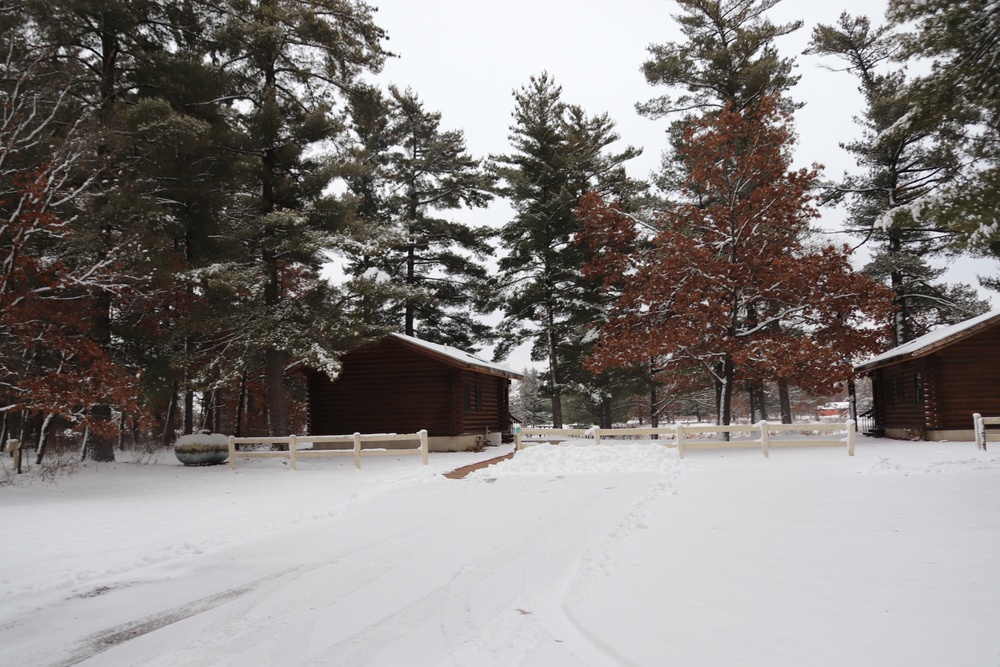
(467, 396)
(918, 387)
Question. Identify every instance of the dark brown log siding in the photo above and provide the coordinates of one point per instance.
(389, 388)
(968, 379)
(907, 396)
(486, 403)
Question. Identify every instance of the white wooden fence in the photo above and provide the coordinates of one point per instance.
(680, 434)
(293, 453)
(983, 436)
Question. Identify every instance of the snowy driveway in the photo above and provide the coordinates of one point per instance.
(810, 557)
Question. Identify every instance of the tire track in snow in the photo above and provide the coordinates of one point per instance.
(527, 567)
(100, 642)
(235, 631)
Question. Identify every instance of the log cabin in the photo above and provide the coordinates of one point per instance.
(403, 384)
(929, 388)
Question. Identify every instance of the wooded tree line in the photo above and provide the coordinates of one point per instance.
(175, 174)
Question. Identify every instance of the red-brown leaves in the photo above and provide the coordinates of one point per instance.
(730, 275)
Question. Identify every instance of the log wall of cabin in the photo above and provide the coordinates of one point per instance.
(384, 388)
(907, 397)
(480, 402)
(389, 388)
(968, 379)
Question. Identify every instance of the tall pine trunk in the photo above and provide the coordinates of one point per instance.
(901, 325)
(557, 416)
(784, 401)
(102, 447)
(410, 307)
(607, 418)
(171, 416)
(277, 405)
(275, 361)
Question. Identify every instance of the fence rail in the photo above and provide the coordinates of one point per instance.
(680, 433)
(983, 435)
(293, 453)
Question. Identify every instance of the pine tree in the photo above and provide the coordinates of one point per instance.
(527, 404)
(559, 153)
(729, 58)
(286, 64)
(961, 38)
(906, 164)
(416, 172)
(730, 284)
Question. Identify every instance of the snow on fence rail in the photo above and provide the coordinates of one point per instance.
(683, 442)
(983, 436)
(293, 453)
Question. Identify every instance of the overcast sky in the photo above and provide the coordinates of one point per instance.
(465, 58)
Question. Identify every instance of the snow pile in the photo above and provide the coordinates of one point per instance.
(584, 458)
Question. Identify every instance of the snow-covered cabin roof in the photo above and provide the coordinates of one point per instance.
(457, 357)
(932, 342)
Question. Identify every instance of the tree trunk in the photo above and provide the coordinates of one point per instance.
(188, 412)
(725, 393)
(852, 400)
(121, 432)
(784, 401)
(43, 439)
(607, 420)
(654, 414)
(168, 422)
(240, 404)
(761, 399)
(101, 448)
(901, 328)
(557, 417)
(410, 280)
(277, 405)
(217, 411)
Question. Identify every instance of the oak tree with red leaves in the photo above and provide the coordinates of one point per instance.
(50, 366)
(729, 283)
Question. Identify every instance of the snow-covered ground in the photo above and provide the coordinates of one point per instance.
(562, 556)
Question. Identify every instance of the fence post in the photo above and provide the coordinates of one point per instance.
(851, 429)
(232, 452)
(680, 440)
(597, 435)
(980, 429)
(423, 444)
(764, 444)
(517, 438)
(357, 451)
(292, 447)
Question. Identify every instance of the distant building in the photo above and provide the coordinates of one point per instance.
(402, 384)
(835, 411)
(930, 387)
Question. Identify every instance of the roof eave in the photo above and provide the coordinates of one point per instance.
(930, 348)
(457, 363)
